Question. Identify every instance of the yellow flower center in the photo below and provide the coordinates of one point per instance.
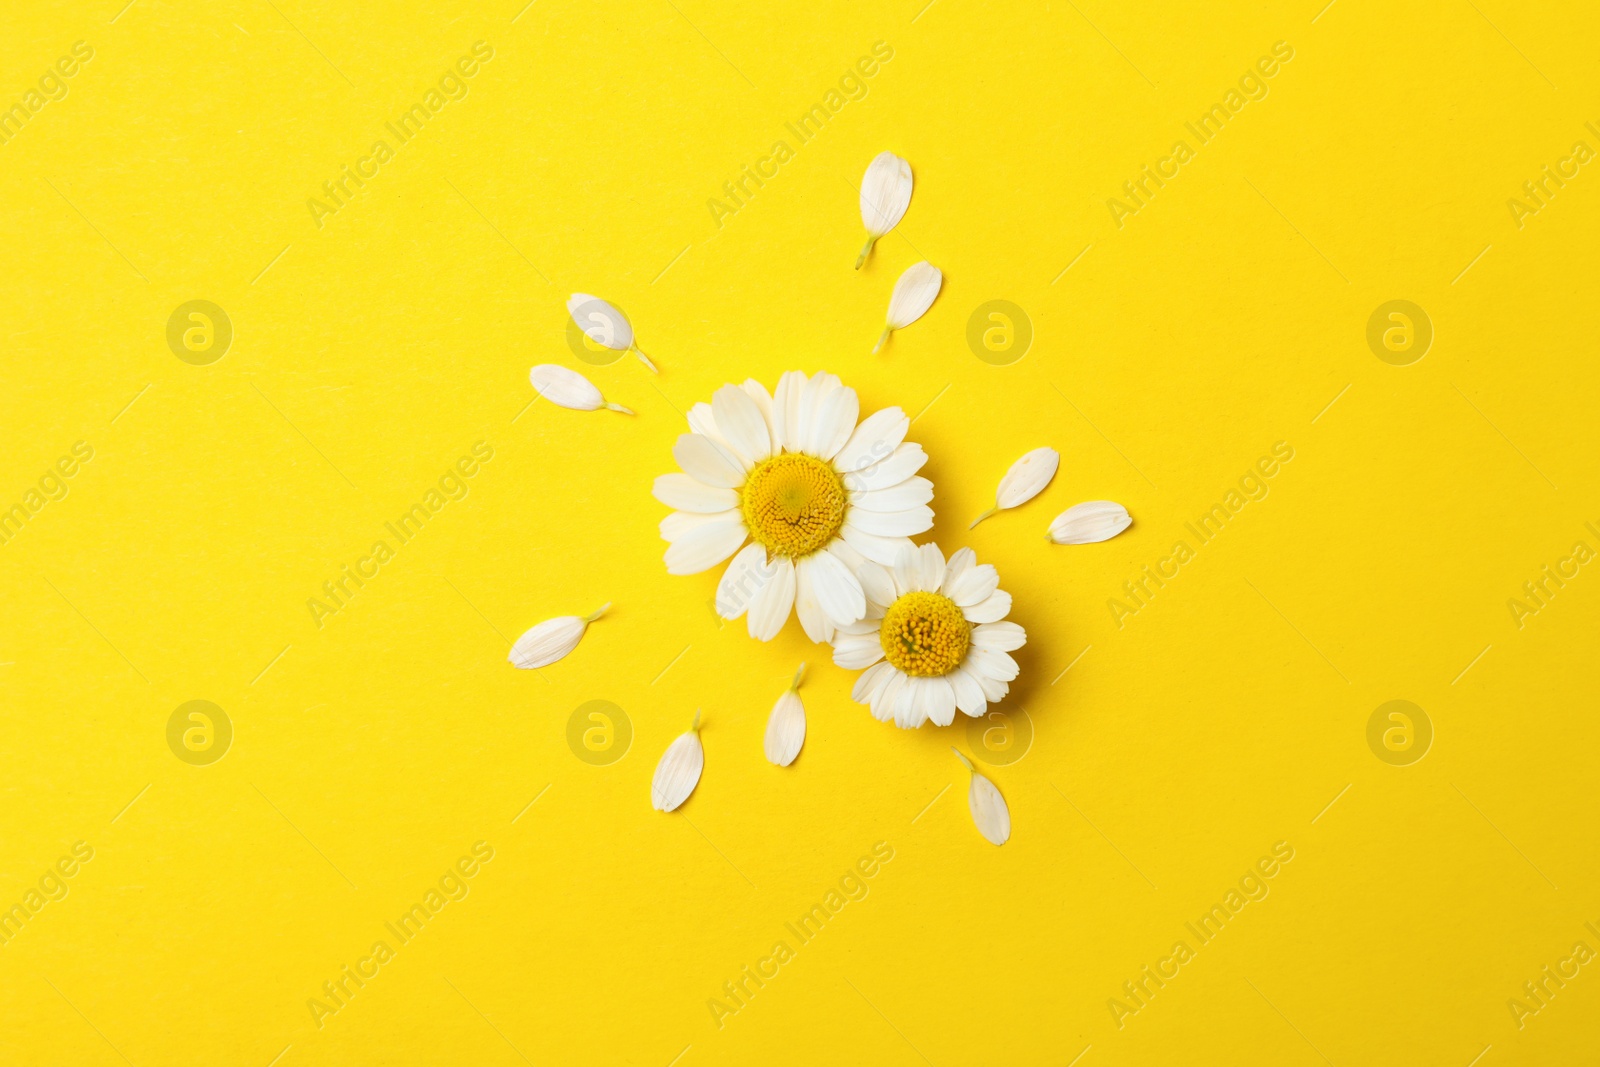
(925, 634)
(794, 504)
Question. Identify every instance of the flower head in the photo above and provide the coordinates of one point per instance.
(814, 493)
(933, 638)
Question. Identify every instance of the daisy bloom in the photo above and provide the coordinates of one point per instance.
(813, 493)
(933, 638)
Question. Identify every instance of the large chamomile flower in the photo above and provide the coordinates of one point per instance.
(814, 494)
(933, 638)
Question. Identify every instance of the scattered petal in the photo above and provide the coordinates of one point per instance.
(605, 325)
(679, 770)
(786, 726)
(569, 389)
(988, 807)
(1086, 523)
(885, 195)
(551, 640)
(913, 295)
(1025, 480)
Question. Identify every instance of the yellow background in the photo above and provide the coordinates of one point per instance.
(369, 354)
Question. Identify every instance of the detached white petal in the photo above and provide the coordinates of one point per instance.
(569, 389)
(786, 726)
(1086, 523)
(679, 770)
(550, 640)
(912, 297)
(885, 194)
(605, 325)
(988, 807)
(1025, 480)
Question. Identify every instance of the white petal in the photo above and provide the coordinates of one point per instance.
(995, 608)
(994, 690)
(878, 549)
(888, 695)
(913, 294)
(763, 399)
(686, 494)
(548, 642)
(679, 524)
(856, 652)
(969, 694)
(807, 605)
(872, 679)
(999, 636)
(877, 585)
(872, 442)
(974, 585)
(904, 571)
(773, 600)
(838, 591)
(743, 579)
(941, 698)
(1027, 477)
(885, 193)
(835, 421)
(910, 708)
(905, 461)
(786, 424)
(602, 323)
(958, 564)
(786, 729)
(847, 555)
(1086, 523)
(929, 568)
(890, 524)
(702, 421)
(706, 461)
(565, 388)
(678, 772)
(706, 545)
(741, 423)
(989, 663)
(908, 494)
(814, 400)
(989, 811)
